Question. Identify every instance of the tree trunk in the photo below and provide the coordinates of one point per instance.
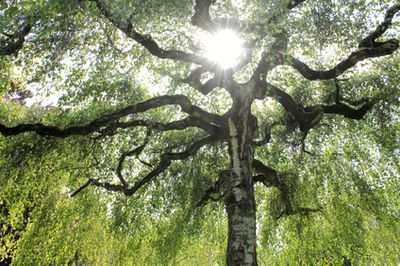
(240, 201)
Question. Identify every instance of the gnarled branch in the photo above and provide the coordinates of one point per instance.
(219, 189)
(265, 139)
(369, 48)
(146, 40)
(309, 117)
(306, 117)
(218, 80)
(105, 120)
(294, 3)
(349, 111)
(201, 16)
(268, 176)
(165, 161)
(135, 152)
(187, 122)
(15, 41)
(370, 40)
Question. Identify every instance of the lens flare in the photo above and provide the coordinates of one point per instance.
(223, 47)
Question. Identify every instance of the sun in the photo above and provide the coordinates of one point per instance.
(224, 47)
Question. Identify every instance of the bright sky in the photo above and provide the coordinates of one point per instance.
(223, 47)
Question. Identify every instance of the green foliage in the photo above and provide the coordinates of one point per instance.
(351, 172)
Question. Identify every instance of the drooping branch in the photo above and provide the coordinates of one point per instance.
(105, 120)
(306, 117)
(126, 26)
(301, 211)
(270, 178)
(218, 190)
(294, 3)
(355, 109)
(81, 188)
(165, 161)
(201, 16)
(369, 48)
(133, 152)
(265, 139)
(370, 40)
(14, 42)
(174, 125)
(387, 48)
(349, 111)
(222, 79)
(309, 117)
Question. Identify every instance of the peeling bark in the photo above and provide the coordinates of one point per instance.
(239, 201)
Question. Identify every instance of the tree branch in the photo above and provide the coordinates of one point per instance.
(269, 176)
(369, 48)
(309, 117)
(165, 161)
(146, 40)
(386, 48)
(218, 80)
(306, 117)
(174, 125)
(105, 120)
(135, 152)
(294, 3)
(81, 188)
(266, 139)
(14, 42)
(370, 40)
(301, 211)
(219, 188)
(349, 111)
(201, 16)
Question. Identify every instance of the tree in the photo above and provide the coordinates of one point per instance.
(283, 122)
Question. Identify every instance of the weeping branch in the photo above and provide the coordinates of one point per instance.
(306, 117)
(201, 16)
(146, 40)
(270, 178)
(206, 119)
(267, 176)
(309, 117)
(266, 139)
(349, 111)
(218, 190)
(370, 40)
(137, 151)
(301, 211)
(165, 160)
(14, 42)
(369, 47)
(222, 79)
(81, 188)
(294, 3)
(190, 121)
